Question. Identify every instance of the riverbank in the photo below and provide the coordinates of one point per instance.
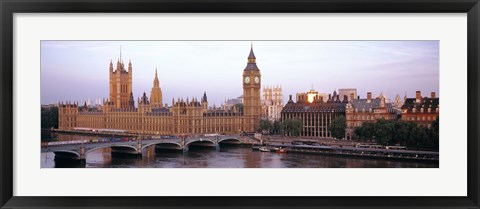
(411, 155)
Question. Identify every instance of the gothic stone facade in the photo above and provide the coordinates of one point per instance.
(272, 103)
(151, 117)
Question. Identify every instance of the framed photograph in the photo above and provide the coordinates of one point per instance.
(237, 104)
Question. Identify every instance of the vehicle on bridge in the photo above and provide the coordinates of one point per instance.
(100, 130)
(164, 137)
(106, 130)
(57, 143)
(210, 135)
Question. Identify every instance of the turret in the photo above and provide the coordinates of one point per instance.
(111, 66)
(131, 102)
(144, 104)
(129, 65)
(130, 76)
(156, 93)
(204, 101)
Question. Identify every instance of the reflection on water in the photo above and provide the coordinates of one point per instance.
(226, 157)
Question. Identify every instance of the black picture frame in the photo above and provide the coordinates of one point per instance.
(10, 7)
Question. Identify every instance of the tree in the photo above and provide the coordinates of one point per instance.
(49, 118)
(338, 126)
(292, 127)
(277, 127)
(390, 132)
(365, 132)
(383, 130)
(265, 125)
(402, 131)
(435, 133)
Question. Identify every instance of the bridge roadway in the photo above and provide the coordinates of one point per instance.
(79, 151)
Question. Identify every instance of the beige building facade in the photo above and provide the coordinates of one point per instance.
(272, 103)
(186, 116)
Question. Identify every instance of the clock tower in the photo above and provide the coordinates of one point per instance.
(251, 94)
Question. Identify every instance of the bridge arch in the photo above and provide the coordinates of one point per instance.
(200, 140)
(67, 154)
(229, 139)
(155, 143)
(109, 146)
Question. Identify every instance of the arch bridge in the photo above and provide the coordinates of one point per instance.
(135, 147)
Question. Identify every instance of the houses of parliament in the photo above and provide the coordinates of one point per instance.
(152, 116)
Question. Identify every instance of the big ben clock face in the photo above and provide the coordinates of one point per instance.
(257, 79)
(247, 79)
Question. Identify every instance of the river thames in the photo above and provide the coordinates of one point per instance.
(227, 157)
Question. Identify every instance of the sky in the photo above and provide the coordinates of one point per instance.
(79, 70)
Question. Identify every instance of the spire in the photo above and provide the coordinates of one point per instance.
(111, 66)
(131, 101)
(156, 83)
(251, 56)
(204, 99)
(252, 63)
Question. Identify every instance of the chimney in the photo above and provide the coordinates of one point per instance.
(369, 97)
(290, 97)
(418, 95)
(433, 95)
(352, 96)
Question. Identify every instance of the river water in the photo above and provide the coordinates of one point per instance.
(233, 156)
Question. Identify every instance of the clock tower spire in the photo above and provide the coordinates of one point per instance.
(251, 94)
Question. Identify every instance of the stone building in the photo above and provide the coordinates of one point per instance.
(358, 111)
(272, 103)
(252, 109)
(184, 116)
(156, 93)
(421, 110)
(120, 83)
(349, 93)
(311, 95)
(316, 116)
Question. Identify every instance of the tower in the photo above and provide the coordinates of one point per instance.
(251, 94)
(144, 104)
(131, 102)
(120, 83)
(204, 101)
(156, 93)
